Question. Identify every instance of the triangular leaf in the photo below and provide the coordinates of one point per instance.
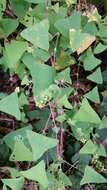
(10, 105)
(91, 148)
(19, 8)
(12, 58)
(86, 112)
(64, 102)
(40, 36)
(64, 76)
(82, 130)
(88, 148)
(14, 184)
(40, 144)
(100, 48)
(7, 26)
(96, 76)
(20, 148)
(64, 25)
(37, 173)
(91, 176)
(80, 41)
(42, 75)
(93, 95)
(90, 62)
(18, 134)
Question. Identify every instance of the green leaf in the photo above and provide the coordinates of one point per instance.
(20, 148)
(91, 28)
(94, 16)
(91, 176)
(40, 54)
(64, 76)
(64, 61)
(14, 172)
(104, 122)
(37, 173)
(19, 7)
(70, 2)
(96, 76)
(7, 26)
(100, 150)
(64, 25)
(80, 41)
(41, 116)
(91, 148)
(93, 95)
(100, 48)
(88, 148)
(23, 100)
(40, 144)
(4, 187)
(42, 75)
(61, 118)
(102, 31)
(82, 130)
(64, 179)
(12, 58)
(40, 35)
(90, 62)
(64, 102)
(14, 184)
(19, 133)
(86, 112)
(10, 105)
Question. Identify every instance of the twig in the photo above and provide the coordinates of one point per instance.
(46, 125)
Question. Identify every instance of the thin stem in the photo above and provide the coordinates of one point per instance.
(46, 125)
(53, 117)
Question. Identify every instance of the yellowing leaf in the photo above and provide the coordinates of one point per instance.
(87, 43)
(104, 93)
(94, 16)
(64, 61)
(80, 41)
